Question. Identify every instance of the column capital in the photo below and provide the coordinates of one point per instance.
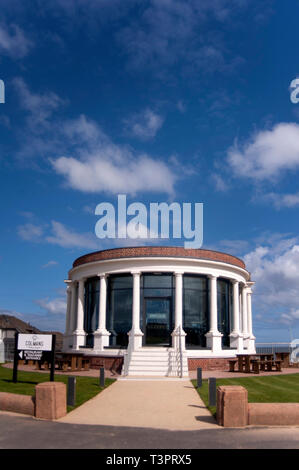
(212, 276)
(178, 273)
(235, 281)
(136, 273)
(103, 275)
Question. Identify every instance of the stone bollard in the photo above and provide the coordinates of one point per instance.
(232, 406)
(50, 400)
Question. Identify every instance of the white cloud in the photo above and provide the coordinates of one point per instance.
(274, 266)
(57, 234)
(50, 263)
(267, 153)
(144, 125)
(30, 232)
(102, 166)
(68, 238)
(169, 31)
(40, 106)
(13, 42)
(55, 306)
(281, 200)
(219, 183)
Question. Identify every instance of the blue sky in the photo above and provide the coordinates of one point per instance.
(161, 100)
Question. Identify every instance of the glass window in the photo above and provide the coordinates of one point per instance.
(156, 285)
(156, 280)
(195, 310)
(224, 307)
(119, 309)
(92, 290)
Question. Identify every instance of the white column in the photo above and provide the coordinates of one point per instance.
(251, 340)
(79, 333)
(74, 304)
(135, 334)
(236, 339)
(244, 316)
(178, 335)
(68, 315)
(213, 336)
(101, 335)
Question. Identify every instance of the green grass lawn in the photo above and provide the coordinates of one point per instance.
(271, 389)
(86, 387)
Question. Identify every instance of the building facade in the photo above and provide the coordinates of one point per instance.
(162, 309)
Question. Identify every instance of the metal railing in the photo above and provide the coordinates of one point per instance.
(271, 348)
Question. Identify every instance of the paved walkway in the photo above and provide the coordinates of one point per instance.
(171, 404)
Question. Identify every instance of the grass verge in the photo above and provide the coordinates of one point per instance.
(271, 389)
(86, 387)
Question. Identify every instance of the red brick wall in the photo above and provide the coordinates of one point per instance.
(172, 251)
(109, 363)
(209, 363)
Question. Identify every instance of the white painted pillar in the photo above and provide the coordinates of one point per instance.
(178, 335)
(135, 334)
(67, 332)
(74, 304)
(236, 338)
(251, 340)
(79, 333)
(101, 335)
(244, 317)
(213, 336)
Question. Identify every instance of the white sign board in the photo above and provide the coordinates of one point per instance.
(35, 342)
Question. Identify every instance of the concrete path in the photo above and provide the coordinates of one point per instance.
(160, 404)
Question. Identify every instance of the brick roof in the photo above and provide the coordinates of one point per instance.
(157, 251)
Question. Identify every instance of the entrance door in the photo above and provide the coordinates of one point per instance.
(157, 321)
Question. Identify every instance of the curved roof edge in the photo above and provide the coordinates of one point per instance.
(157, 251)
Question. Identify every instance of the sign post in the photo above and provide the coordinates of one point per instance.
(31, 348)
(15, 360)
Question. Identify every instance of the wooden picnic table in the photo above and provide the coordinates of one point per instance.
(257, 362)
(75, 361)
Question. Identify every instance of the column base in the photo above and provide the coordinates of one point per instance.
(214, 341)
(101, 339)
(179, 339)
(135, 339)
(236, 341)
(246, 341)
(251, 345)
(79, 337)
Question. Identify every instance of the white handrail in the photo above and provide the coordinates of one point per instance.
(181, 350)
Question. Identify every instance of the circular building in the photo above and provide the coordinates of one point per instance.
(159, 310)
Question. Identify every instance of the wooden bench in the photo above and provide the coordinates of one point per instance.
(255, 366)
(232, 364)
(269, 364)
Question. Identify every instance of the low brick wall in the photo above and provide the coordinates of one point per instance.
(273, 414)
(16, 403)
(217, 363)
(49, 401)
(112, 363)
(233, 410)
